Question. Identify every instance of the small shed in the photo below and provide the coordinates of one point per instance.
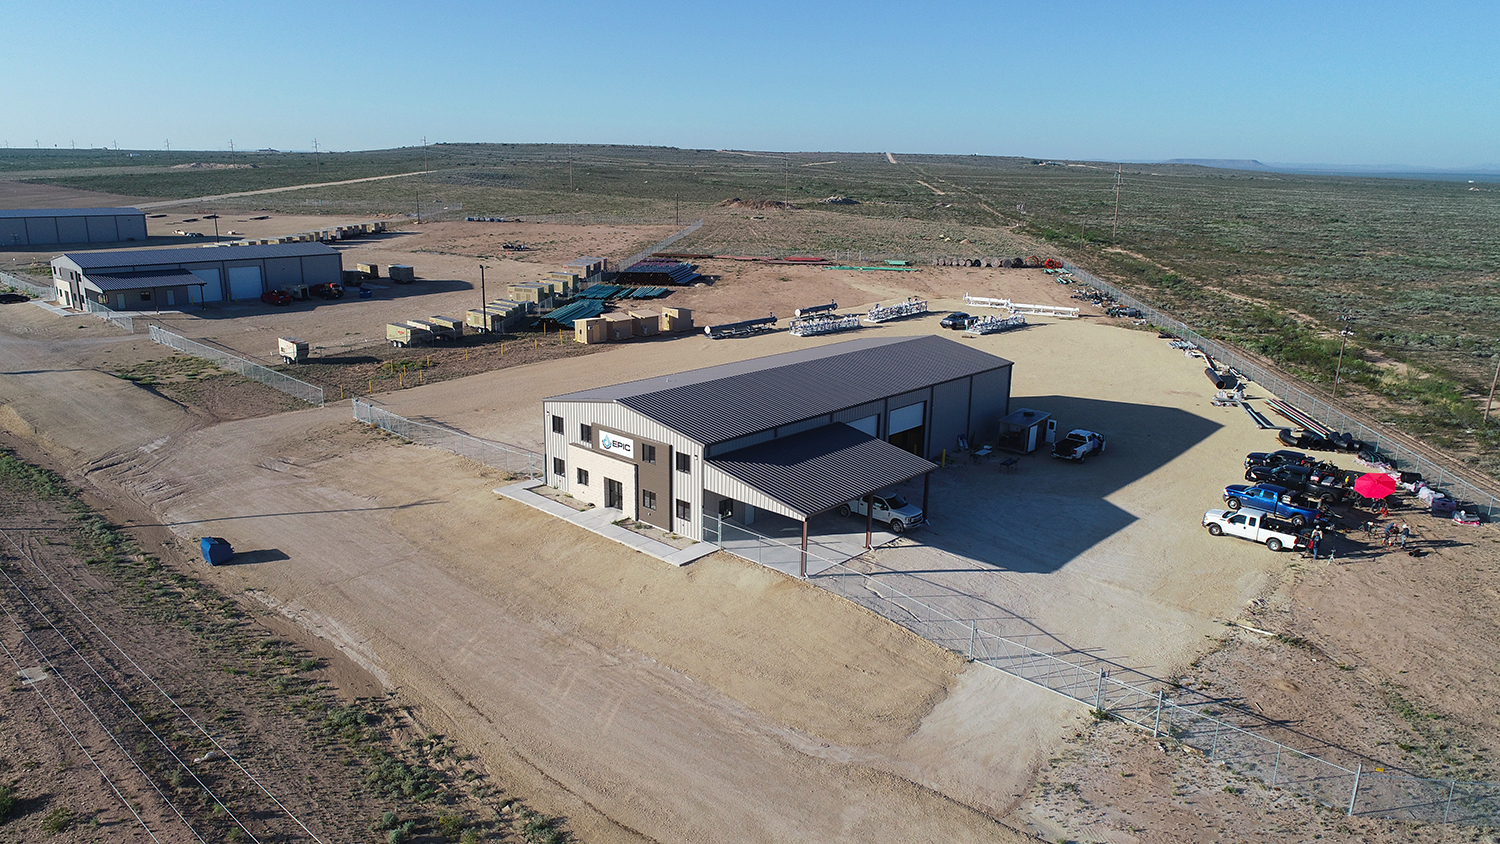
(619, 326)
(1021, 431)
(401, 273)
(647, 323)
(676, 319)
(590, 330)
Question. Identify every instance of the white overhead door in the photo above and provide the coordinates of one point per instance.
(869, 424)
(244, 283)
(906, 418)
(213, 291)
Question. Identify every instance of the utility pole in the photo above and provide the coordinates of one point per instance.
(1344, 334)
(231, 147)
(570, 174)
(677, 215)
(1114, 234)
(1491, 399)
(786, 167)
(315, 154)
(481, 288)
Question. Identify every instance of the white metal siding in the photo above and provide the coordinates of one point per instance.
(728, 486)
(213, 291)
(870, 424)
(990, 402)
(103, 229)
(283, 272)
(41, 231)
(949, 418)
(875, 408)
(72, 230)
(321, 269)
(132, 227)
(13, 231)
(805, 425)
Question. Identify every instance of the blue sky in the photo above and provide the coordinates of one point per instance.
(1306, 82)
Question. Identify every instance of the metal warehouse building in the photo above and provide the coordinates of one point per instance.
(796, 434)
(150, 278)
(48, 226)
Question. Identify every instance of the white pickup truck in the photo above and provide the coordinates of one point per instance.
(891, 509)
(1256, 526)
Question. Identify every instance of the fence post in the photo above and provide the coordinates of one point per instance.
(1156, 725)
(1099, 692)
(973, 629)
(1449, 805)
(1276, 768)
(1214, 748)
(1354, 794)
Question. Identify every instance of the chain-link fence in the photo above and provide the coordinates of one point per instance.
(1400, 452)
(125, 321)
(660, 247)
(40, 291)
(238, 365)
(511, 459)
(1221, 734)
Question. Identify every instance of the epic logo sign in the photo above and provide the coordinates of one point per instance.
(618, 444)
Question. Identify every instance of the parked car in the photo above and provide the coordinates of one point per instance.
(331, 290)
(1278, 501)
(1078, 444)
(1277, 458)
(958, 320)
(1293, 477)
(891, 509)
(1256, 526)
(276, 297)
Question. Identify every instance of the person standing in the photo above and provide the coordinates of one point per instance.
(1315, 540)
(1405, 534)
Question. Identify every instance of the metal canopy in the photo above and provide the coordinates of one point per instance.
(106, 283)
(818, 470)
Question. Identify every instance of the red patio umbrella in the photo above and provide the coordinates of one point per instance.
(1375, 485)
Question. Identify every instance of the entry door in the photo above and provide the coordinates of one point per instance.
(614, 494)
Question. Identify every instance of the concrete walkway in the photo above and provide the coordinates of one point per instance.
(601, 520)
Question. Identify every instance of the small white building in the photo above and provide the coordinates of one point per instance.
(165, 278)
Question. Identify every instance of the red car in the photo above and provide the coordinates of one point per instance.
(276, 297)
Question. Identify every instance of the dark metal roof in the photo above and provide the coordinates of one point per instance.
(197, 255)
(136, 281)
(73, 212)
(731, 400)
(820, 469)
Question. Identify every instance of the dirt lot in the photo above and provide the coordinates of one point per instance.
(725, 702)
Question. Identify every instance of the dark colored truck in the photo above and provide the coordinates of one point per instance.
(1278, 501)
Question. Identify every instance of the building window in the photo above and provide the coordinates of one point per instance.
(586, 434)
(145, 296)
(684, 510)
(648, 499)
(684, 462)
(648, 453)
(559, 467)
(583, 477)
(557, 424)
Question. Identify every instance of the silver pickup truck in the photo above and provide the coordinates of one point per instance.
(1256, 526)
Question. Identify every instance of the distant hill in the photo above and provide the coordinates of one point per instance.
(1221, 163)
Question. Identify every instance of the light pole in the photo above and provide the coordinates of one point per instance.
(1344, 334)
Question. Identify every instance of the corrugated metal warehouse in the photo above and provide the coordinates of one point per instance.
(796, 434)
(150, 278)
(49, 226)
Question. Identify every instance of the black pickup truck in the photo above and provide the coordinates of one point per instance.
(1320, 482)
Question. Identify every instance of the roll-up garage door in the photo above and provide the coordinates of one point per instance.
(870, 425)
(906, 418)
(244, 283)
(213, 291)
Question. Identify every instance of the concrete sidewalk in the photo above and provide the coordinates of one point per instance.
(601, 520)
